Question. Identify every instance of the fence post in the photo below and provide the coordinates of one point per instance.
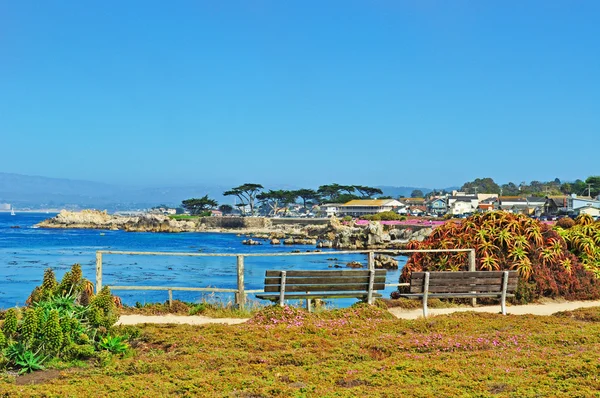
(472, 268)
(98, 272)
(241, 295)
(170, 298)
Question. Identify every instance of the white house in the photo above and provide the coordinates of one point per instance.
(330, 209)
(590, 210)
(361, 207)
(458, 205)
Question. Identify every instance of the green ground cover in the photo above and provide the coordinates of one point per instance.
(354, 352)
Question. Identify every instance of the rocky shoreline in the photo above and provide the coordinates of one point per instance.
(259, 230)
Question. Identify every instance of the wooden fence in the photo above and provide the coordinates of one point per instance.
(241, 292)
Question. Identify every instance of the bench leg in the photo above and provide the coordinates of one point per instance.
(425, 294)
(308, 305)
(503, 297)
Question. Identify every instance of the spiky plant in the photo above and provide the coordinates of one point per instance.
(52, 332)
(2, 340)
(29, 326)
(10, 322)
(49, 284)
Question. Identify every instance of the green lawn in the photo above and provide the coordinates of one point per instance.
(356, 352)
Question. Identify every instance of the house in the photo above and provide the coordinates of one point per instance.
(216, 213)
(575, 202)
(530, 205)
(464, 204)
(361, 207)
(330, 209)
(589, 210)
(555, 205)
(413, 201)
(437, 206)
(487, 204)
(416, 210)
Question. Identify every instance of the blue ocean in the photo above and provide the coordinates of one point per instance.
(26, 251)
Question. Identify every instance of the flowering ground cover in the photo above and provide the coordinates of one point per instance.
(353, 352)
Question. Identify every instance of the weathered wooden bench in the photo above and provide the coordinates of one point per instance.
(284, 285)
(462, 284)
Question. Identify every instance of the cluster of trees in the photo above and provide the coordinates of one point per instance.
(591, 187)
(251, 196)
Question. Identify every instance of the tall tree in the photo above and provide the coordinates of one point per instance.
(226, 209)
(417, 193)
(198, 205)
(367, 192)
(593, 185)
(276, 200)
(481, 185)
(307, 195)
(332, 192)
(246, 193)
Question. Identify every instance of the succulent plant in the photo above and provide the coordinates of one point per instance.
(10, 322)
(29, 326)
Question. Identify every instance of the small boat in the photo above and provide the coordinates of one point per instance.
(12, 212)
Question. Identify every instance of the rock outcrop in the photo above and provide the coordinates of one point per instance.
(372, 236)
(94, 219)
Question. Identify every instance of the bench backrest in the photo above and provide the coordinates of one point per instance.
(324, 281)
(463, 282)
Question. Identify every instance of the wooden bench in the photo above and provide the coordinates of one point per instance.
(462, 284)
(283, 285)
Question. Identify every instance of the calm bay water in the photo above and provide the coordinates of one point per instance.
(26, 251)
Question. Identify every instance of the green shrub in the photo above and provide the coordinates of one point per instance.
(56, 325)
(347, 218)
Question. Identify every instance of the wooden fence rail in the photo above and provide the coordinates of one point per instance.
(240, 292)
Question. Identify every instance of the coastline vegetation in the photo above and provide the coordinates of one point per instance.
(63, 323)
(551, 262)
(357, 351)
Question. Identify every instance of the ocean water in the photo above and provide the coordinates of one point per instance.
(25, 253)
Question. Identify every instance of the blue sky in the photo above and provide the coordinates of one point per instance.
(412, 93)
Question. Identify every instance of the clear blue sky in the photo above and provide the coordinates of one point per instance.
(413, 93)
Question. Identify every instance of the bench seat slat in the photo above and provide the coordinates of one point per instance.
(275, 297)
(462, 281)
(322, 280)
(324, 288)
(465, 274)
(293, 273)
(455, 295)
(464, 288)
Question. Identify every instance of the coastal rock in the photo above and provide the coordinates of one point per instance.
(374, 236)
(385, 262)
(354, 264)
(251, 242)
(275, 241)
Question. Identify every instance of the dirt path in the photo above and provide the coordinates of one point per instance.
(547, 308)
(178, 319)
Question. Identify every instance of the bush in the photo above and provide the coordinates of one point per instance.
(384, 216)
(347, 218)
(62, 321)
(565, 223)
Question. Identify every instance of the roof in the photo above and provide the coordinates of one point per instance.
(370, 202)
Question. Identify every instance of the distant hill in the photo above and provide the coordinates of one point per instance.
(37, 192)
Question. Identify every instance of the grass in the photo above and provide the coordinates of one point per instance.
(359, 351)
(212, 308)
(183, 217)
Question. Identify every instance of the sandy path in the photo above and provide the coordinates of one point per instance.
(178, 319)
(534, 309)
